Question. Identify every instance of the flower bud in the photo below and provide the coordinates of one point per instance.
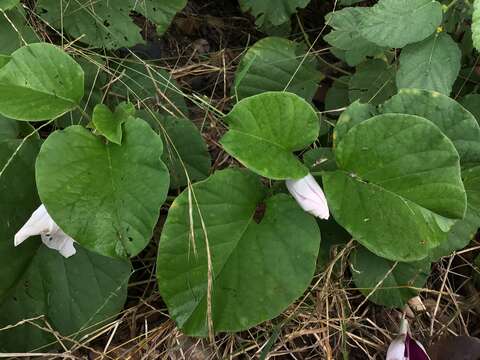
(309, 196)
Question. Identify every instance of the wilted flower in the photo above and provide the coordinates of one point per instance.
(309, 196)
(41, 223)
(404, 347)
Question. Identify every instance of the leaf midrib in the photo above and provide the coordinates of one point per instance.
(215, 276)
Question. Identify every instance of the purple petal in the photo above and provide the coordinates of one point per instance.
(414, 350)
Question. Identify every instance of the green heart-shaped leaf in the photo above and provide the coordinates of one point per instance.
(258, 269)
(265, 130)
(398, 190)
(105, 196)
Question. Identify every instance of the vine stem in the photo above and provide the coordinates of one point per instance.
(448, 7)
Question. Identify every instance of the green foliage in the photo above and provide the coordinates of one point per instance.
(35, 280)
(15, 30)
(432, 64)
(400, 167)
(276, 64)
(117, 190)
(149, 86)
(396, 23)
(346, 35)
(108, 24)
(464, 230)
(42, 76)
(258, 266)
(337, 95)
(454, 121)
(386, 282)
(275, 12)
(265, 130)
(75, 295)
(354, 114)
(108, 123)
(320, 159)
(398, 172)
(95, 79)
(471, 102)
(19, 201)
(8, 4)
(185, 151)
(373, 82)
(476, 24)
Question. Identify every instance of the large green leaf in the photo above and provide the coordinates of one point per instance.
(105, 196)
(398, 189)
(18, 194)
(396, 23)
(74, 295)
(275, 12)
(184, 148)
(42, 76)
(276, 64)
(346, 34)
(11, 36)
(373, 82)
(386, 282)
(107, 23)
(265, 130)
(455, 122)
(149, 86)
(432, 64)
(476, 24)
(258, 269)
(464, 230)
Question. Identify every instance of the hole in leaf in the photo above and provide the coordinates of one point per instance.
(259, 212)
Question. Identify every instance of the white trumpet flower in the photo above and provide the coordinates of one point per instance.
(309, 196)
(41, 223)
(403, 347)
